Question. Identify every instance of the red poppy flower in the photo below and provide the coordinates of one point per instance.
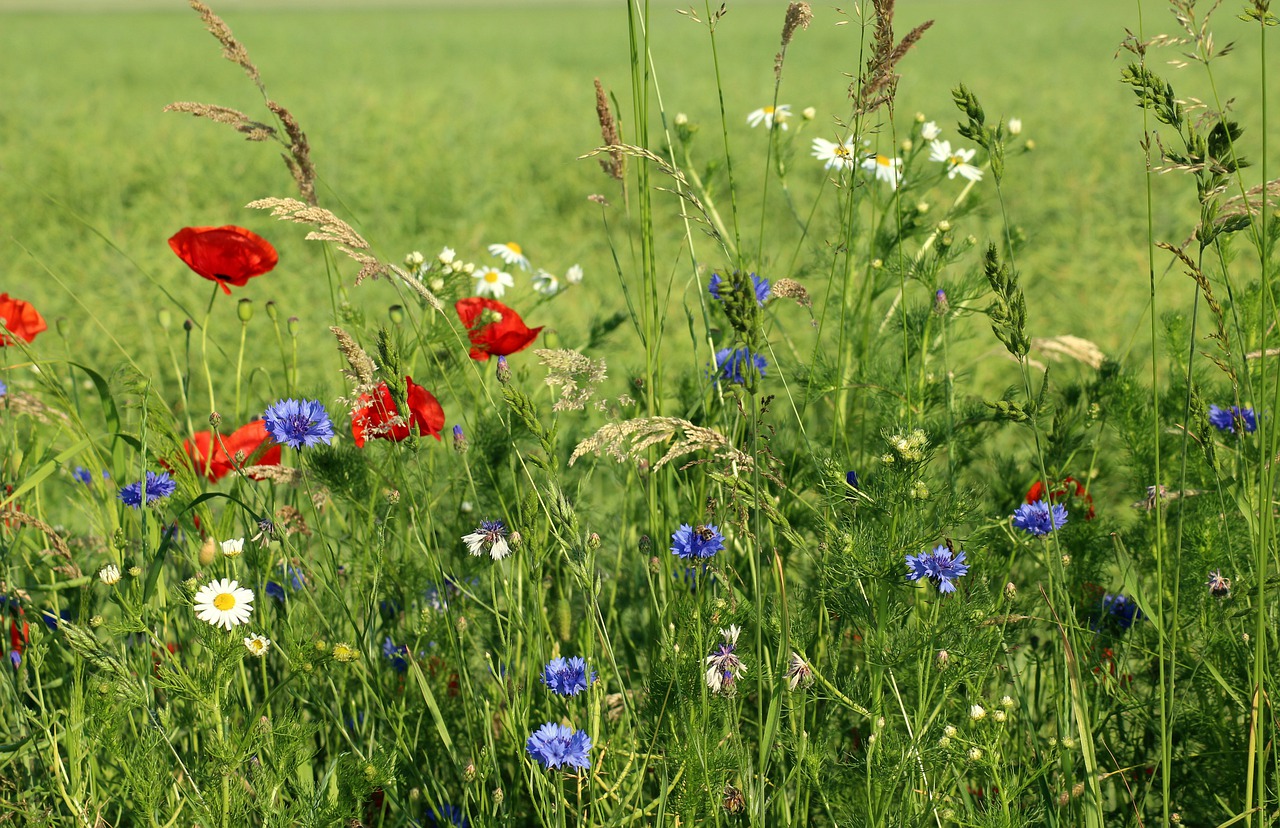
(244, 443)
(20, 319)
(372, 417)
(1061, 492)
(494, 328)
(227, 255)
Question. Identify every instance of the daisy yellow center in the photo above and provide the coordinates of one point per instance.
(224, 601)
(882, 160)
(842, 151)
(491, 276)
(768, 110)
(515, 248)
(956, 160)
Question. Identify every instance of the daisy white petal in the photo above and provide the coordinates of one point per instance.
(257, 644)
(769, 115)
(884, 168)
(511, 253)
(224, 603)
(573, 275)
(832, 154)
(492, 282)
(930, 130)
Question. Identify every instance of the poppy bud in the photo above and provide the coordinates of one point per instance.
(396, 312)
(504, 371)
(244, 309)
(165, 318)
(207, 551)
(60, 325)
(292, 325)
(271, 311)
(187, 325)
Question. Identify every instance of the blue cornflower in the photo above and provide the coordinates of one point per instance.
(1119, 611)
(735, 364)
(447, 815)
(294, 575)
(82, 474)
(567, 677)
(1038, 519)
(298, 423)
(941, 566)
(694, 577)
(4, 389)
(1224, 419)
(396, 654)
(158, 486)
(760, 284)
(696, 541)
(851, 477)
(557, 746)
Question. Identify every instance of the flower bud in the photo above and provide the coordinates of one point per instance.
(187, 325)
(809, 113)
(165, 318)
(292, 325)
(593, 541)
(681, 119)
(208, 550)
(271, 311)
(396, 312)
(244, 309)
(469, 772)
(459, 439)
(215, 419)
(646, 545)
(943, 659)
(504, 371)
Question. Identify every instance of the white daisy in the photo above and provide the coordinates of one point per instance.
(884, 168)
(930, 130)
(546, 283)
(511, 253)
(957, 161)
(834, 154)
(492, 282)
(258, 644)
(109, 574)
(1015, 126)
(573, 275)
(768, 115)
(224, 604)
(233, 548)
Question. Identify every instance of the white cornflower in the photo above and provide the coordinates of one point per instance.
(573, 275)
(723, 667)
(977, 712)
(833, 154)
(224, 604)
(233, 548)
(491, 534)
(511, 253)
(799, 674)
(884, 168)
(957, 162)
(768, 115)
(492, 282)
(546, 283)
(930, 130)
(109, 574)
(1015, 126)
(258, 644)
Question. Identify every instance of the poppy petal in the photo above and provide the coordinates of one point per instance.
(502, 335)
(227, 255)
(20, 319)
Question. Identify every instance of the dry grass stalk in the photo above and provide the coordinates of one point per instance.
(1071, 347)
(20, 402)
(415, 284)
(361, 375)
(283, 475)
(1220, 334)
(299, 157)
(799, 16)
(58, 546)
(616, 164)
(785, 288)
(330, 228)
(575, 374)
(232, 49)
(630, 439)
(683, 189)
(879, 83)
(252, 130)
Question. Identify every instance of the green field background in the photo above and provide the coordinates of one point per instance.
(461, 124)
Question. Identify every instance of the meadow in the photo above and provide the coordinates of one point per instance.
(907, 459)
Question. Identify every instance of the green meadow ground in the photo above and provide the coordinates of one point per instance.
(439, 125)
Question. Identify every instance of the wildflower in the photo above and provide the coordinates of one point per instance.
(445, 256)
(723, 667)
(377, 416)
(1219, 587)
(4, 389)
(158, 486)
(397, 654)
(702, 541)
(943, 659)
(809, 113)
(977, 712)
(940, 304)
(83, 475)
(941, 566)
(226, 255)
(567, 677)
(493, 328)
(769, 116)
(344, 652)
(573, 275)
(491, 534)
(511, 253)
(1039, 518)
(232, 548)
(1118, 612)
(884, 168)
(731, 362)
(492, 282)
(459, 439)
(930, 130)
(760, 284)
(216, 458)
(1061, 491)
(298, 423)
(957, 162)
(266, 531)
(109, 575)
(833, 154)
(799, 673)
(1224, 419)
(257, 645)
(851, 478)
(20, 319)
(1015, 126)
(557, 746)
(545, 283)
(447, 815)
(224, 604)
(975, 754)
(1000, 716)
